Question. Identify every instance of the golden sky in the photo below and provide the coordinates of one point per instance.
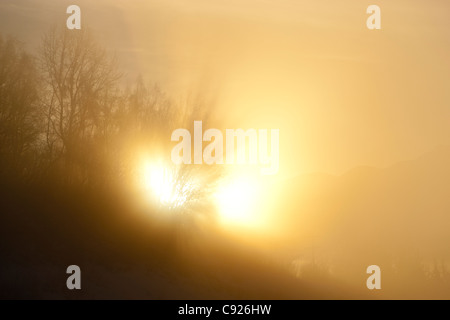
(341, 95)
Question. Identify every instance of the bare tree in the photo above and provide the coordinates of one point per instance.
(80, 94)
(93, 129)
(147, 119)
(19, 125)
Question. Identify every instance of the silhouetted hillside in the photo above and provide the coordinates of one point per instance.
(124, 253)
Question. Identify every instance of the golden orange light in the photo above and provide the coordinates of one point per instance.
(237, 200)
(160, 181)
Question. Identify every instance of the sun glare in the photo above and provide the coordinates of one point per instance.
(160, 181)
(237, 197)
(237, 200)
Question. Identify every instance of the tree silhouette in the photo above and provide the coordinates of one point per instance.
(79, 99)
(19, 104)
(67, 120)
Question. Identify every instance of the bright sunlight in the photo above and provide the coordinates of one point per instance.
(237, 199)
(236, 196)
(162, 184)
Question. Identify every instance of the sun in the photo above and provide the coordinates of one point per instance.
(237, 197)
(160, 181)
(237, 200)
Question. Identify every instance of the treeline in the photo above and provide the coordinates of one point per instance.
(66, 117)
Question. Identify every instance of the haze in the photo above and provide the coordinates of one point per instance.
(341, 94)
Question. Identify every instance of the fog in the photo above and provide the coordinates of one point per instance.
(86, 119)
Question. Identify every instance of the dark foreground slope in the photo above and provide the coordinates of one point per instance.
(124, 254)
